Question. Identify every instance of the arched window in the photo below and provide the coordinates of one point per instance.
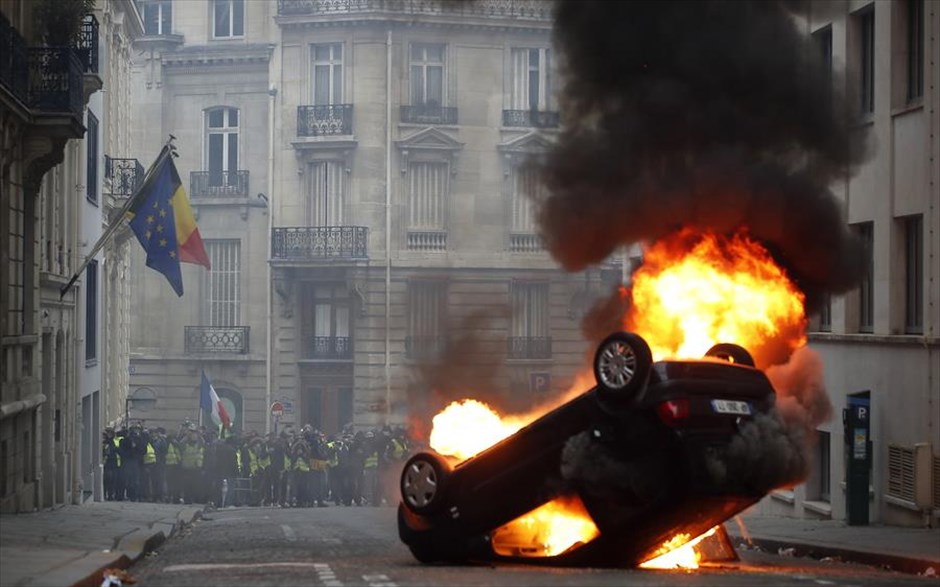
(222, 146)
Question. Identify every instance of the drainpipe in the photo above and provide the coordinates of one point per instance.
(930, 217)
(269, 344)
(388, 219)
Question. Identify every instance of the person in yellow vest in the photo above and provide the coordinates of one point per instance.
(191, 460)
(111, 457)
(370, 470)
(148, 463)
(173, 489)
(300, 467)
(258, 462)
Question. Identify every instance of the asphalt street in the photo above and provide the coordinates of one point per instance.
(339, 546)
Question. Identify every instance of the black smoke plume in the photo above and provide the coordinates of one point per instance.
(708, 114)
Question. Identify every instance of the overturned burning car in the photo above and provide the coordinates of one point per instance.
(606, 478)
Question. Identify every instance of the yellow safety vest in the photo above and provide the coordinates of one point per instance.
(301, 464)
(252, 462)
(398, 448)
(372, 461)
(192, 456)
(172, 455)
(334, 455)
(151, 457)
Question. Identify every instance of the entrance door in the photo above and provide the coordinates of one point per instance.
(327, 408)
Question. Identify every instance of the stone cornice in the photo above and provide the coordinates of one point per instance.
(226, 54)
(399, 20)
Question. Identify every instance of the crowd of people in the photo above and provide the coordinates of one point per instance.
(304, 468)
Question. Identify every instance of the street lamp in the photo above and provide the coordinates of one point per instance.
(143, 398)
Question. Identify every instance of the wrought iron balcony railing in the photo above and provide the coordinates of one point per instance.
(55, 80)
(429, 114)
(14, 68)
(216, 339)
(329, 347)
(87, 47)
(219, 184)
(531, 118)
(529, 347)
(521, 9)
(324, 120)
(420, 348)
(126, 175)
(320, 242)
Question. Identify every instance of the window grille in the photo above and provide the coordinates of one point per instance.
(901, 472)
(866, 27)
(429, 187)
(866, 291)
(91, 311)
(915, 50)
(222, 145)
(222, 282)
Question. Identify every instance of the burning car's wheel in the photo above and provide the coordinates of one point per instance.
(622, 367)
(422, 483)
(732, 353)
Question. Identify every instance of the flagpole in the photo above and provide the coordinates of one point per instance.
(167, 151)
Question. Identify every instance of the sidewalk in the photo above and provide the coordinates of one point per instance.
(908, 550)
(71, 545)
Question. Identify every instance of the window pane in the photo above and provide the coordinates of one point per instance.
(238, 17)
(216, 118)
(232, 116)
(321, 52)
(166, 13)
(435, 53)
(337, 84)
(417, 85)
(417, 52)
(222, 18)
(232, 152)
(215, 159)
(321, 84)
(337, 51)
(435, 86)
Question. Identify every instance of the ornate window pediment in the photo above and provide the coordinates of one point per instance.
(522, 148)
(430, 144)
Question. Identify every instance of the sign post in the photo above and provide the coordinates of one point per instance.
(277, 410)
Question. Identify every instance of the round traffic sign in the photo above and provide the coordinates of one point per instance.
(277, 409)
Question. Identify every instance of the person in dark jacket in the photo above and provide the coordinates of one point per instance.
(226, 470)
(132, 456)
(111, 457)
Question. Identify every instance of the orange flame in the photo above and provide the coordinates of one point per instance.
(548, 530)
(678, 553)
(694, 291)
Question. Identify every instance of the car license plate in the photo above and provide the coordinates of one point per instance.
(727, 406)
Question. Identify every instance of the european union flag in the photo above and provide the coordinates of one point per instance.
(154, 223)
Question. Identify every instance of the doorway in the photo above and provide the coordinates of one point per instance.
(327, 407)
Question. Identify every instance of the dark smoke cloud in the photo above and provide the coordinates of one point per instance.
(709, 114)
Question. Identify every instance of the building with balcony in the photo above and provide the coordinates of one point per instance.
(50, 207)
(389, 141)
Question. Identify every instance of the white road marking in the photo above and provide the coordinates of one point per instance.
(378, 581)
(327, 576)
(289, 533)
(224, 566)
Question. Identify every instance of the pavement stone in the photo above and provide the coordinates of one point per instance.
(909, 550)
(71, 545)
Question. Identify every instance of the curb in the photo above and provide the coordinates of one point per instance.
(135, 545)
(892, 562)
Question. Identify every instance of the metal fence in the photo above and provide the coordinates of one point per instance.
(219, 184)
(126, 175)
(14, 63)
(55, 80)
(429, 114)
(531, 118)
(216, 339)
(329, 347)
(316, 242)
(529, 347)
(521, 9)
(324, 120)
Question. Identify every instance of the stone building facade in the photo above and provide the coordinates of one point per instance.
(358, 168)
(884, 337)
(48, 181)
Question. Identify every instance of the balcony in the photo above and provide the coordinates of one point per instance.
(531, 118)
(55, 80)
(319, 242)
(428, 114)
(529, 347)
(328, 348)
(324, 120)
(87, 48)
(218, 184)
(216, 340)
(126, 175)
(526, 243)
(427, 240)
(516, 9)
(14, 69)
(424, 348)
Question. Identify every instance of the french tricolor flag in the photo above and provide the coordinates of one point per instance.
(209, 401)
